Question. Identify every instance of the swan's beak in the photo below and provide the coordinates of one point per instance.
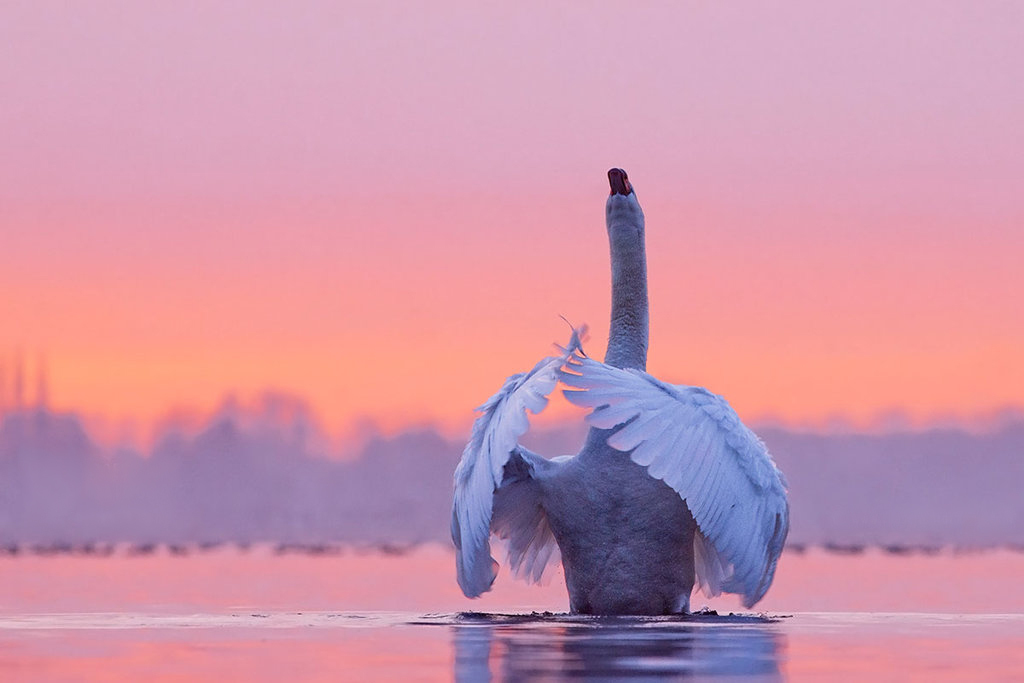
(619, 181)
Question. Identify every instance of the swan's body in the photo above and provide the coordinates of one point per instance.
(669, 488)
(602, 509)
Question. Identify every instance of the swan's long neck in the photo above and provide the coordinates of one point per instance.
(627, 337)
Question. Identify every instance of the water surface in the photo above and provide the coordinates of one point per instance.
(343, 615)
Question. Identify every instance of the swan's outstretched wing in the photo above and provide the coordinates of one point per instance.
(693, 441)
(494, 485)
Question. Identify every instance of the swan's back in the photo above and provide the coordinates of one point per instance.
(626, 539)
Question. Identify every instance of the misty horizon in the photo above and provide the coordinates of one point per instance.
(273, 476)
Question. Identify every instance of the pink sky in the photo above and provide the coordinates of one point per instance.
(385, 207)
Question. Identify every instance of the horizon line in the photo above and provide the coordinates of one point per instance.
(273, 407)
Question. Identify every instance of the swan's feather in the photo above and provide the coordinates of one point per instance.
(693, 441)
(494, 489)
(520, 520)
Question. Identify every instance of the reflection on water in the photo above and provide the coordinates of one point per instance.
(612, 649)
(394, 646)
(260, 615)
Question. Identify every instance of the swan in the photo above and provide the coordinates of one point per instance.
(669, 489)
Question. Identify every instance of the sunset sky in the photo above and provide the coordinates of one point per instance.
(385, 207)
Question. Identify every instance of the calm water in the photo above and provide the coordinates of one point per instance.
(226, 614)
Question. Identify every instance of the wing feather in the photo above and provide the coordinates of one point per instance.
(609, 416)
(482, 471)
(695, 442)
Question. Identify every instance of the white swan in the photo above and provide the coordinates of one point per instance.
(670, 487)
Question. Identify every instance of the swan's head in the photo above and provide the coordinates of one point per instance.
(623, 214)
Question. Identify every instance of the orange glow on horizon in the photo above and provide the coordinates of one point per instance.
(786, 327)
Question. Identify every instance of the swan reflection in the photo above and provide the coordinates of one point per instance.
(513, 649)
